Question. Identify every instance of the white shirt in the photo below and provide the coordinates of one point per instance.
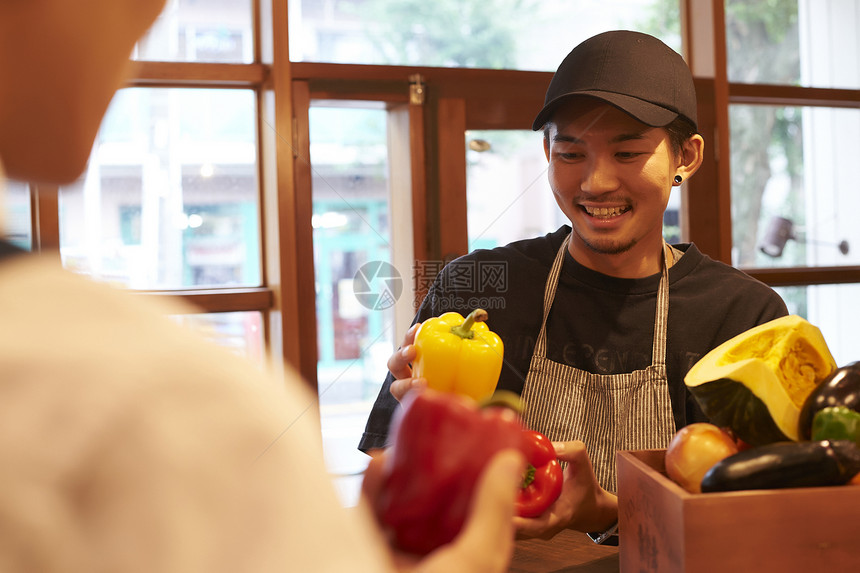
(128, 444)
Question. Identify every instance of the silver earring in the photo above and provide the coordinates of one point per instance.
(678, 179)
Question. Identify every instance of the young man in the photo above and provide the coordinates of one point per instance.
(127, 444)
(603, 318)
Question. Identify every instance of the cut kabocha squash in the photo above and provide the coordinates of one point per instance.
(756, 382)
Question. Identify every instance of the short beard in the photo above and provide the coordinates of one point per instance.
(606, 249)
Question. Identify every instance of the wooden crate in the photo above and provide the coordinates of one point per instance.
(665, 529)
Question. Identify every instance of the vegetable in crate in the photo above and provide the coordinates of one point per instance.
(694, 450)
(459, 355)
(786, 464)
(836, 423)
(441, 444)
(756, 383)
(840, 389)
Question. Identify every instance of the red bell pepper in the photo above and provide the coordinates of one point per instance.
(544, 476)
(441, 443)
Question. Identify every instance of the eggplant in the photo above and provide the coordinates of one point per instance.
(840, 388)
(786, 464)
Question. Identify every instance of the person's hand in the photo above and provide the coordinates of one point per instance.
(583, 505)
(399, 364)
(486, 541)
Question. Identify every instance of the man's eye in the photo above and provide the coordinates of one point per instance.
(568, 155)
(628, 154)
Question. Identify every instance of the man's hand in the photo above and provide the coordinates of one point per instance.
(400, 366)
(583, 505)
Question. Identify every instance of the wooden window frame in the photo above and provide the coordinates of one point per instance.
(729, 93)
(756, 94)
(277, 299)
(456, 100)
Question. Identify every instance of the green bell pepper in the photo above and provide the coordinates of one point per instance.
(836, 423)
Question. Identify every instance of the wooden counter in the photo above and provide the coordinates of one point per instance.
(569, 551)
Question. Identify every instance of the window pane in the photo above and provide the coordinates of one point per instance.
(195, 31)
(812, 43)
(356, 282)
(170, 196)
(16, 204)
(794, 195)
(497, 34)
(508, 194)
(834, 310)
(238, 332)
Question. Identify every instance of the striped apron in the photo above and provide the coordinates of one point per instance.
(606, 412)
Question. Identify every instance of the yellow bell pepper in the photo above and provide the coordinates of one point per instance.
(459, 355)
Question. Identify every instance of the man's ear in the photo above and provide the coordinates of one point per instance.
(692, 155)
(546, 143)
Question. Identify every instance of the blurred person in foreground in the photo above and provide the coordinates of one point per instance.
(127, 443)
(602, 318)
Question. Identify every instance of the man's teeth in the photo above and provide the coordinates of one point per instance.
(605, 212)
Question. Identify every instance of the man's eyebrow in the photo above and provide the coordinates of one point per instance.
(630, 136)
(567, 138)
(620, 138)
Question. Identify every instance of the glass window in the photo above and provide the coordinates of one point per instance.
(497, 34)
(793, 186)
(509, 197)
(170, 197)
(508, 194)
(813, 43)
(195, 31)
(238, 332)
(16, 209)
(357, 284)
(833, 309)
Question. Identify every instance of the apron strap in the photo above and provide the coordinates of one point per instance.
(661, 317)
(549, 295)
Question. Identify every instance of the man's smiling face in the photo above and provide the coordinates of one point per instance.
(611, 175)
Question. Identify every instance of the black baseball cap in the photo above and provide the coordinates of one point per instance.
(635, 72)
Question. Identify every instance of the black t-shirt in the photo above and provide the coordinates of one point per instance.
(598, 323)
